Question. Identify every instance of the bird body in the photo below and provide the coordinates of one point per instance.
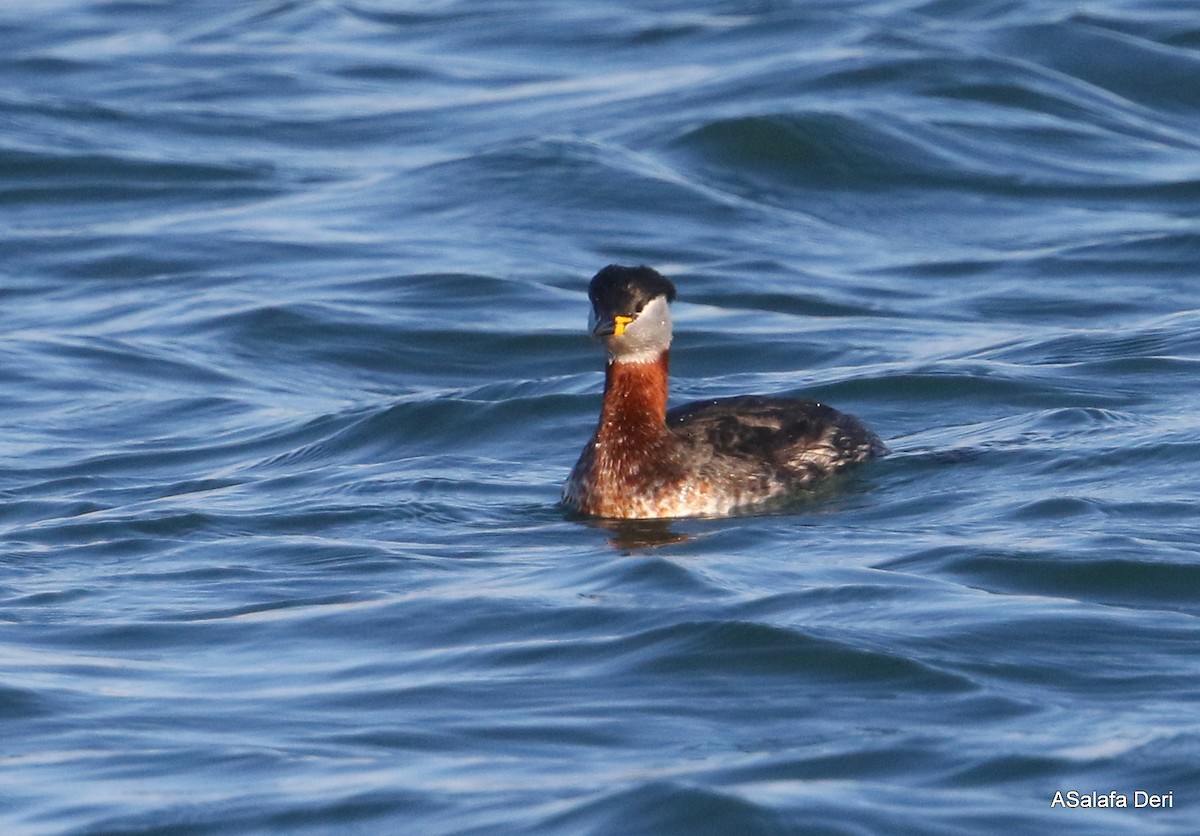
(708, 458)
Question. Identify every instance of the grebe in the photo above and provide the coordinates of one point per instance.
(704, 459)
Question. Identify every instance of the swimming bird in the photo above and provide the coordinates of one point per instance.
(708, 458)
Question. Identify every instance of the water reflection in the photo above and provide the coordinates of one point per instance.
(633, 535)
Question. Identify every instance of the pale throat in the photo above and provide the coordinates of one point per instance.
(644, 337)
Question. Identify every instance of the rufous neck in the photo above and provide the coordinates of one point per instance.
(636, 391)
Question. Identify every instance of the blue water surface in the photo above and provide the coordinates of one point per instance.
(293, 365)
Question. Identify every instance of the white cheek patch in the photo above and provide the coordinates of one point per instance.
(646, 337)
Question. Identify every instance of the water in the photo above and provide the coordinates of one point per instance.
(293, 366)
